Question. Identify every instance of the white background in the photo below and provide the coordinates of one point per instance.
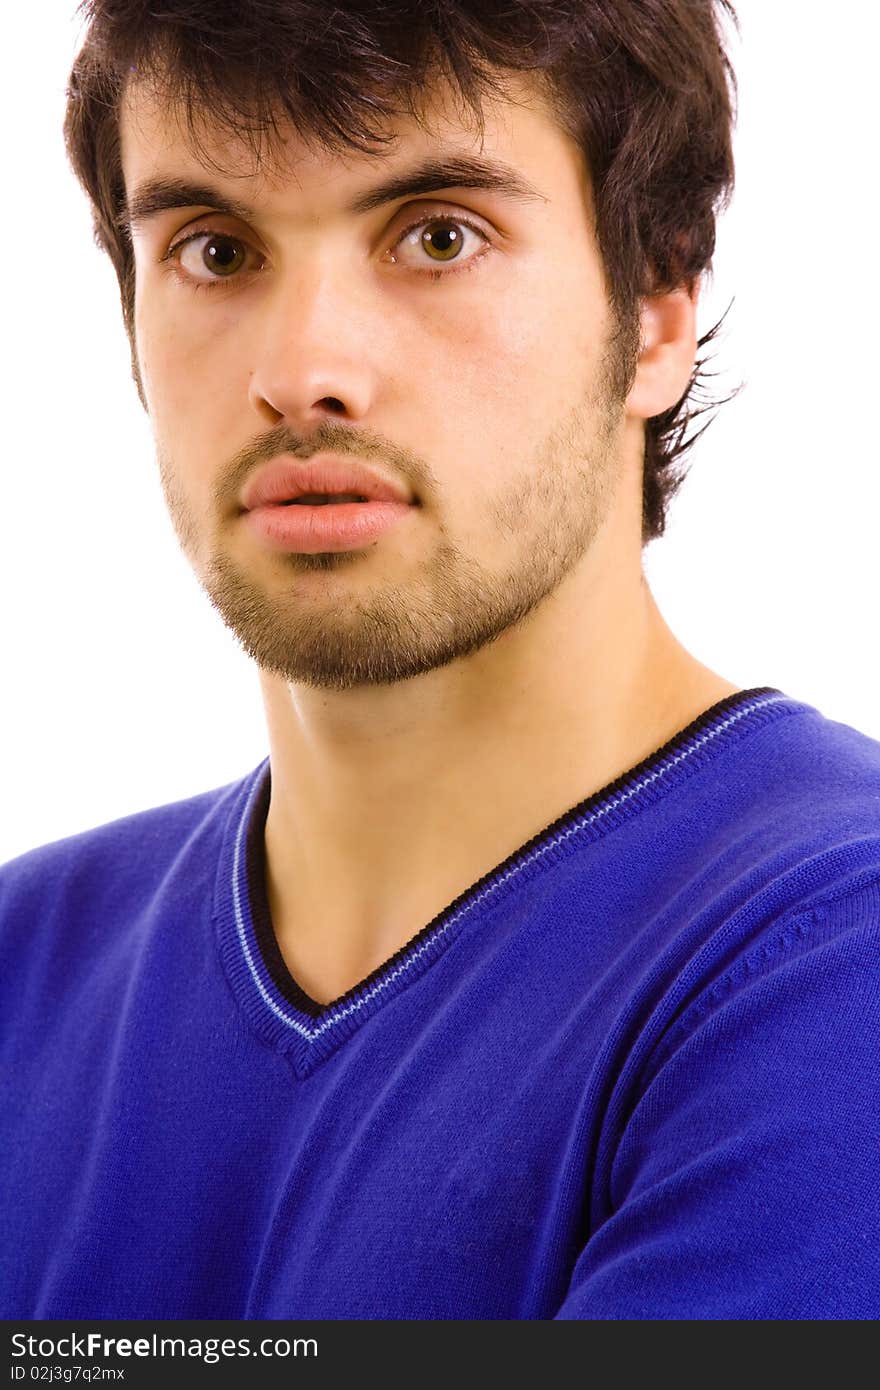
(121, 687)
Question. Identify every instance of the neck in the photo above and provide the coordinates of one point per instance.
(387, 802)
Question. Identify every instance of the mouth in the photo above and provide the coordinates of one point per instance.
(343, 521)
(319, 499)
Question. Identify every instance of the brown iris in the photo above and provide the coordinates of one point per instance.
(447, 241)
(223, 254)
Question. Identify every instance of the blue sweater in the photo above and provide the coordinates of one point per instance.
(630, 1073)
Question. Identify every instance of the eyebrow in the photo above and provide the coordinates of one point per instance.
(159, 195)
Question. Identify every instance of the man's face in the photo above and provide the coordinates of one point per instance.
(486, 388)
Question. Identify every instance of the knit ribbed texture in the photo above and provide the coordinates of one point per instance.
(632, 1072)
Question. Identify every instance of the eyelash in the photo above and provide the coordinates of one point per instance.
(221, 282)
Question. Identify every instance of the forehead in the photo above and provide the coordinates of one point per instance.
(519, 129)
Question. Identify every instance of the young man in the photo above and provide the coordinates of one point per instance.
(532, 974)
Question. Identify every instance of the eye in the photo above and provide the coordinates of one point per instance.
(443, 239)
(208, 258)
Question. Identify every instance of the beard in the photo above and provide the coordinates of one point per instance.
(382, 630)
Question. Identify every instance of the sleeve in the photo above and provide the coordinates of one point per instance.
(746, 1179)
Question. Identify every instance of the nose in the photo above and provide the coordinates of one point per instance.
(316, 342)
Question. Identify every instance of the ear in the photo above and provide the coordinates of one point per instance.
(667, 353)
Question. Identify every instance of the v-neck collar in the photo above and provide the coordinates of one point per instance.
(291, 1021)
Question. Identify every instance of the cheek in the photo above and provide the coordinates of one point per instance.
(517, 356)
(191, 415)
(188, 368)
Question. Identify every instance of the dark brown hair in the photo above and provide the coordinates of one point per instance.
(644, 86)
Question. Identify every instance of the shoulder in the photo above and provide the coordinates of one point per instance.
(137, 847)
(811, 754)
(789, 819)
(791, 863)
(758, 893)
(774, 969)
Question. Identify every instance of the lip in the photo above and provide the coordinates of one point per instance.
(316, 530)
(286, 477)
